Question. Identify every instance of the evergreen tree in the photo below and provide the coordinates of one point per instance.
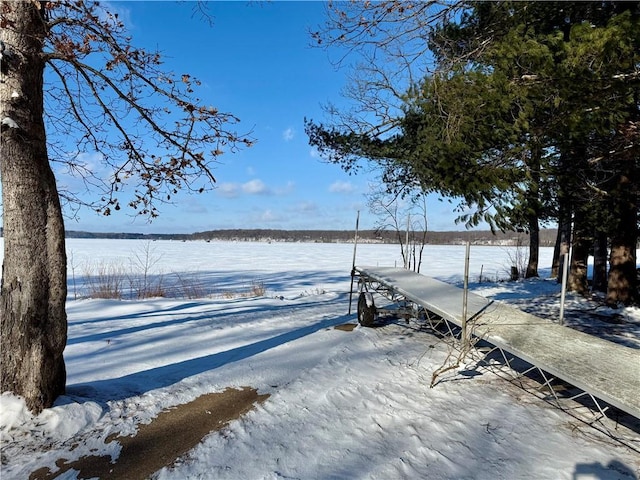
(531, 113)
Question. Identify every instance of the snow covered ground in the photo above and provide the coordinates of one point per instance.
(342, 405)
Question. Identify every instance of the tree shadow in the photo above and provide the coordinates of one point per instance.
(542, 298)
(159, 377)
(614, 470)
(182, 319)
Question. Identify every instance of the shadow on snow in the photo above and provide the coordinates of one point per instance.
(159, 377)
(216, 313)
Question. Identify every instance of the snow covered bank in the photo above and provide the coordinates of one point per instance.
(342, 404)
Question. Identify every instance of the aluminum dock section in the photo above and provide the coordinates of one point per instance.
(603, 369)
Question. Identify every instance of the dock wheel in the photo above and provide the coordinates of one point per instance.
(366, 309)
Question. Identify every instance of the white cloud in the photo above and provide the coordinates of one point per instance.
(288, 134)
(72, 179)
(93, 161)
(194, 206)
(228, 190)
(269, 216)
(288, 188)
(252, 187)
(110, 12)
(341, 187)
(255, 187)
(314, 153)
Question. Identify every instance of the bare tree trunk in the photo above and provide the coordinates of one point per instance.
(34, 287)
(565, 213)
(582, 242)
(555, 261)
(563, 241)
(622, 284)
(533, 204)
(600, 263)
(534, 248)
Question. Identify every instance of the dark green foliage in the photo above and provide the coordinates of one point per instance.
(532, 110)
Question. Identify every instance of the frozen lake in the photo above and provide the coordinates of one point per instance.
(272, 263)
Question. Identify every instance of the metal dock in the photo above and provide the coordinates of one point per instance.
(603, 370)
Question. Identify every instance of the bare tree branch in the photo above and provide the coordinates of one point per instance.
(151, 131)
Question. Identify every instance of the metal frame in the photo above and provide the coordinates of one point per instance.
(405, 306)
(582, 406)
(592, 412)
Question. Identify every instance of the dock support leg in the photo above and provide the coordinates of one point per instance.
(465, 296)
(353, 264)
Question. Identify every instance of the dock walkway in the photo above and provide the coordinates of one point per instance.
(603, 369)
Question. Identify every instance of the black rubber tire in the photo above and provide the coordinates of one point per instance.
(366, 313)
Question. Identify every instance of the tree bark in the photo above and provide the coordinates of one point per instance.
(581, 243)
(534, 248)
(600, 263)
(563, 239)
(565, 218)
(34, 285)
(622, 285)
(533, 210)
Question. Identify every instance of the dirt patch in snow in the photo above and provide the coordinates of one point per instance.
(160, 443)
(346, 327)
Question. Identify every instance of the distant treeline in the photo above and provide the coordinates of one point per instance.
(547, 236)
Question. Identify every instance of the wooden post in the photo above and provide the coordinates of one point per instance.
(465, 294)
(353, 263)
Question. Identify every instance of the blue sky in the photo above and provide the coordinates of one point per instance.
(255, 62)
